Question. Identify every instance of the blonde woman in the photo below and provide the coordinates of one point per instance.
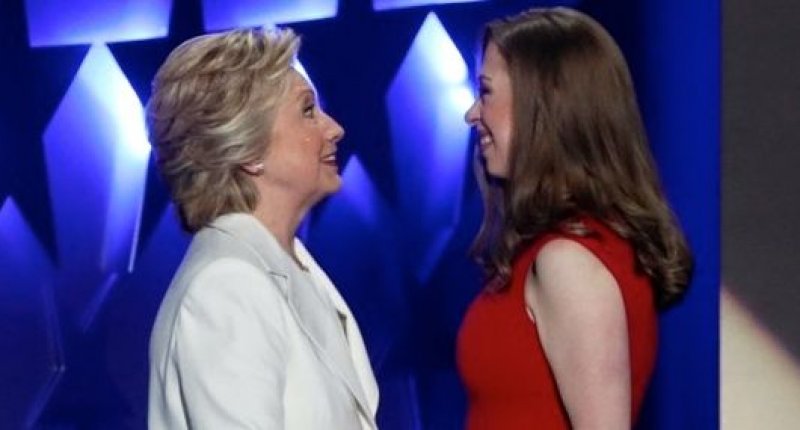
(251, 333)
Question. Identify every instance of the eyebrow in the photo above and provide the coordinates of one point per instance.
(486, 78)
(306, 92)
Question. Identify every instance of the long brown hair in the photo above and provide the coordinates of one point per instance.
(578, 147)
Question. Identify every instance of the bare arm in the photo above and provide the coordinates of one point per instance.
(580, 318)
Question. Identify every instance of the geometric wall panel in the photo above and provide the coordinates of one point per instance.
(358, 221)
(29, 331)
(54, 23)
(161, 255)
(401, 391)
(129, 312)
(398, 4)
(96, 152)
(225, 14)
(358, 193)
(357, 216)
(426, 104)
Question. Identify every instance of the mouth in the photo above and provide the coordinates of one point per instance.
(484, 139)
(330, 160)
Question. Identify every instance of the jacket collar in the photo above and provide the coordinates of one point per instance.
(248, 230)
(323, 331)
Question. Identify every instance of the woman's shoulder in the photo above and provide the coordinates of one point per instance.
(591, 232)
(566, 256)
(225, 290)
(217, 269)
(581, 236)
(567, 269)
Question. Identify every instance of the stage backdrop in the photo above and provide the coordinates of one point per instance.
(88, 241)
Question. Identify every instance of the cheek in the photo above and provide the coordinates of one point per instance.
(306, 151)
(498, 118)
(504, 118)
(295, 162)
(505, 154)
(503, 145)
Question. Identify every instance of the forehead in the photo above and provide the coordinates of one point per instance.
(298, 83)
(493, 62)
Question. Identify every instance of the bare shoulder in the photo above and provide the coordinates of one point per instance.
(580, 319)
(564, 266)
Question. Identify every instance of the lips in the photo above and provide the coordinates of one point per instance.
(330, 160)
(484, 138)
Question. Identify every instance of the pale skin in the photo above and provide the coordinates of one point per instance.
(299, 167)
(571, 297)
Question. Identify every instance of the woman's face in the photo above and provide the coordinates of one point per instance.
(301, 155)
(490, 114)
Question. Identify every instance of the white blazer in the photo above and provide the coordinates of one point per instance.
(246, 339)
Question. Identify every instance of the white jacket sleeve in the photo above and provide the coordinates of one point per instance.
(230, 349)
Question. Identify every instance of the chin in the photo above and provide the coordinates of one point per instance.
(332, 186)
(495, 172)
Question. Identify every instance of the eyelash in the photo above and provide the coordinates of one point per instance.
(308, 111)
(482, 91)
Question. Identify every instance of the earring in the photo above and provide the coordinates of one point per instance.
(254, 168)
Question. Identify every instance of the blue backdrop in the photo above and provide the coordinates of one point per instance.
(88, 241)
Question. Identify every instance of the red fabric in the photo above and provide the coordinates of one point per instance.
(500, 357)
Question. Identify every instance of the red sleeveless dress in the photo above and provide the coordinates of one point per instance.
(500, 357)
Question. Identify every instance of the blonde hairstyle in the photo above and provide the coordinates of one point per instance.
(578, 147)
(211, 112)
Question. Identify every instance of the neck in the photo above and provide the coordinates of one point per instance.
(281, 214)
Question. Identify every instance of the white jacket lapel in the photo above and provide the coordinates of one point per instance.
(324, 331)
(326, 335)
(358, 360)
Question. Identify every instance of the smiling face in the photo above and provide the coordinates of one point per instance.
(301, 154)
(491, 112)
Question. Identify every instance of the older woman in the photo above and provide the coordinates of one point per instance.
(251, 333)
(578, 241)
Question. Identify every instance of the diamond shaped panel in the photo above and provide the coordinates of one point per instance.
(130, 310)
(53, 23)
(96, 153)
(398, 4)
(426, 104)
(357, 221)
(29, 332)
(225, 14)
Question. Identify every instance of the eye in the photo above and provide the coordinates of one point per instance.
(483, 91)
(308, 110)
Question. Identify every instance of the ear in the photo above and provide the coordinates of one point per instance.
(255, 169)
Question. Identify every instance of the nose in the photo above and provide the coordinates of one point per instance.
(472, 115)
(335, 132)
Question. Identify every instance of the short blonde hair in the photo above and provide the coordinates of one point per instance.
(211, 111)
